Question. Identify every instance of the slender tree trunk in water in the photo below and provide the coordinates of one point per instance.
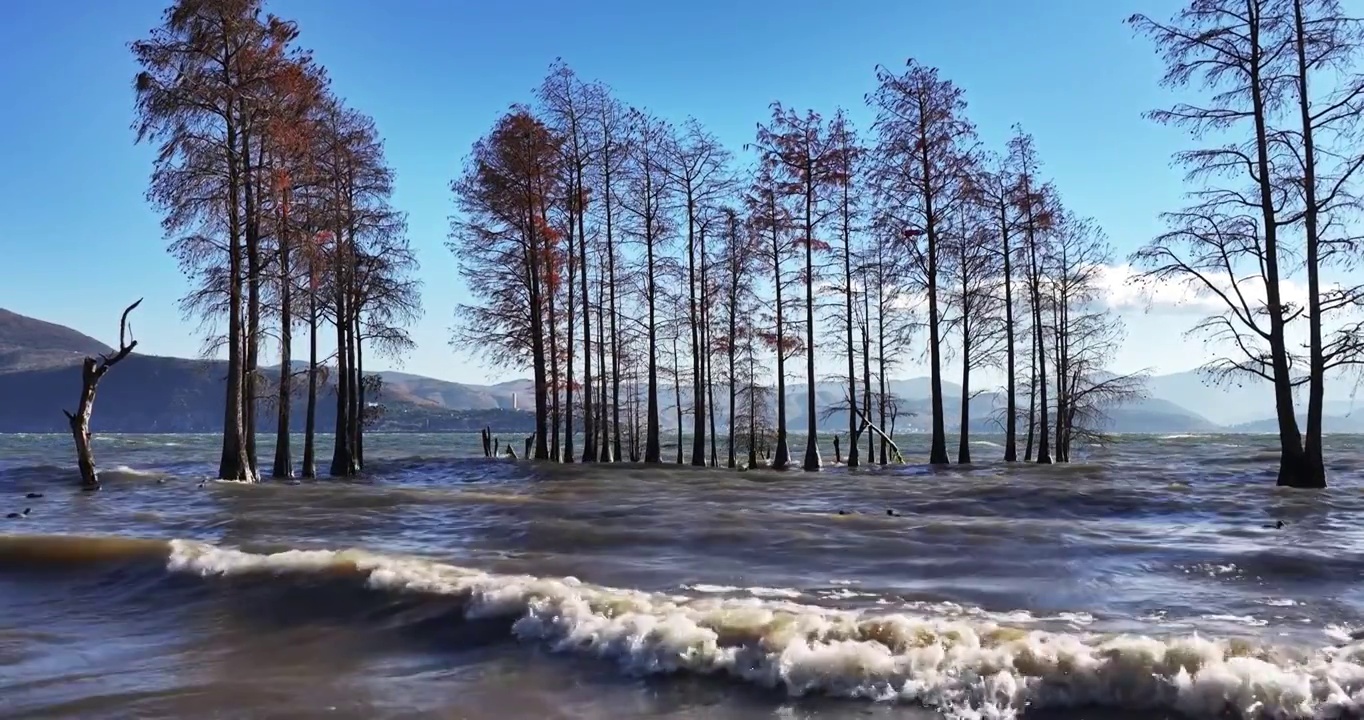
(342, 462)
(636, 430)
(881, 358)
(782, 458)
(353, 415)
(567, 454)
(706, 351)
(537, 248)
(253, 272)
(604, 431)
(752, 412)
(555, 381)
(1011, 390)
(938, 448)
(653, 452)
(361, 403)
(964, 444)
(866, 375)
(310, 419)
(1293, 466)
(732, 459)
(232, 465)
(1039, 342)
(677, 393)
(853, 460)
(1032, 400)
(812, 461)
(284, 463)
(698, 432)
(710, 404)
(611, 280)
(1313, 464)
(589, 420)
(1062, 396)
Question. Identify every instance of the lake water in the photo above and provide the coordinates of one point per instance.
(1147, 581)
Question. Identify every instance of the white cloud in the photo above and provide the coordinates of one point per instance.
(1125, 290)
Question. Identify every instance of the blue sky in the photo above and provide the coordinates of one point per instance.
(77, 240)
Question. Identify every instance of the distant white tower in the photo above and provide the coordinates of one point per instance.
(514, 405)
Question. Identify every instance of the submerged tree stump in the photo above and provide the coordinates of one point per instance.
(92, 371)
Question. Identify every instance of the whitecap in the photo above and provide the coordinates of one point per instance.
(966, 667)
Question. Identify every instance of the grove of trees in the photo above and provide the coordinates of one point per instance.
(630, 261)
(1272, 193)
(708, 268)
(276, 197)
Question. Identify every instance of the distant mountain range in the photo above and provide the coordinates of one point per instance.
(39, 375)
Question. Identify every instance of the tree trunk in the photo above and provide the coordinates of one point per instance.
(611, 279)
(589, 421)
(1294, 469)
(677, 396)
(1032, 400)
(538, 247)
(1011, 390)
(698, 432)
(253, 273)
(964, 444)
(938, 447)
(812, 461)
(732, 459)
(866, 371)
(572, 262)
(232, 464)
(706, 351)
(310, 420)
(881, 354)
(782, 457)
(556, 381)
(85, 458)
(1039, 343)
(1313, 474)
(91, 373)
(284, 462)
(342, 461)
(752, 412)
(853, 460)
(604, 431)
(361, 402)
(653, 452)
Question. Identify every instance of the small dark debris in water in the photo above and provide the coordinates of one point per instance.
(1276, 526)
(842, 512)
(13, 516)
(161, 481)
(892, 513)
(33, 496)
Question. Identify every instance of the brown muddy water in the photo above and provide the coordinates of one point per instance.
(1147, 581)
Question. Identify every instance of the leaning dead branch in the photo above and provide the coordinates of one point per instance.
(92, 370)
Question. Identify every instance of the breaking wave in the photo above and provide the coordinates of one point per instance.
(966, 666)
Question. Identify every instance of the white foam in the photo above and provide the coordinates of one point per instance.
(754, 591)
(967, 667)
(1250, 620)
(125, 470)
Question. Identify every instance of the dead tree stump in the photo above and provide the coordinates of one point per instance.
(92, 371)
